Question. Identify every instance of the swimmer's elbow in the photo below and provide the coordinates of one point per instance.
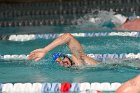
(68, 35)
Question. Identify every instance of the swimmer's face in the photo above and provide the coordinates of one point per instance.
(64, 61)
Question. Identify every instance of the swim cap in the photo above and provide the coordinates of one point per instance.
(119, 19)
(57, 55)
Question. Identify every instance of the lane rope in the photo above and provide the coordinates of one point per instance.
(55, 87)
(101, 57)
(27, 37)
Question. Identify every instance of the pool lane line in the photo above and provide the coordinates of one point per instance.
(47, 87)
(99, 57)
(27, 37)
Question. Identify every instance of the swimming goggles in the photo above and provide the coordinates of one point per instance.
(61, 58)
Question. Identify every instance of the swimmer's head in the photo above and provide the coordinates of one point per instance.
(119, 19)
(62, 59)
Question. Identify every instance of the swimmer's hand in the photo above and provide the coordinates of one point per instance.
(37, 54)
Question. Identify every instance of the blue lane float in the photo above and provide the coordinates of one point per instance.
(46, 87)
(75, 87)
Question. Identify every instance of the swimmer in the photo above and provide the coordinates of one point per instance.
(78, 57)
(123, 23)
(131, 86)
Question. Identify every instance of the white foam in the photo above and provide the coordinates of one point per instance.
(119, 19)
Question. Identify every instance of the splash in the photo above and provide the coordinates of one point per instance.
(95, 20)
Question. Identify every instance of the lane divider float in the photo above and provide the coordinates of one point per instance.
(100, 57)
(27, 37)
(58, 87)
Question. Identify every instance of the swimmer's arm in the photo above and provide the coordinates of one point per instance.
(68, 39)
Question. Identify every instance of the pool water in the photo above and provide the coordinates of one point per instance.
(48, 71)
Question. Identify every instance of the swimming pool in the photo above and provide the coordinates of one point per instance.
(94, 39)
(43, 71)
(46, 70)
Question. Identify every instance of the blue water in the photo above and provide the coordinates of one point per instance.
(48, 71)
